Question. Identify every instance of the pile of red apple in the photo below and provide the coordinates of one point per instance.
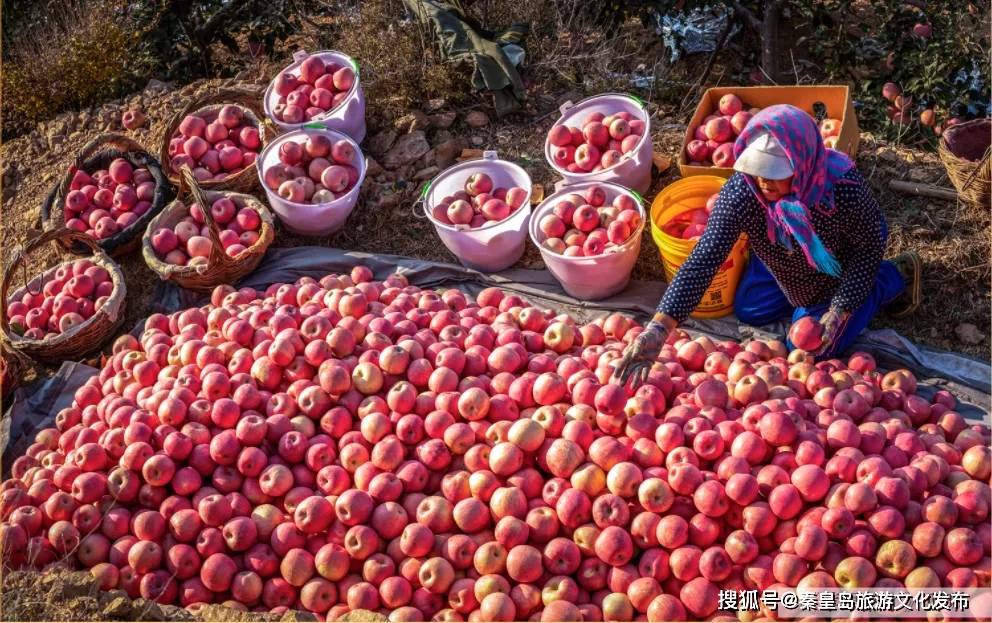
(479, 203)
(599, 143)
(215, 147)
(316, 87)
(188, 242)
(108, 201)
(583, 225)
(689, 225)
(348, 443)
(713, 139)
(314, 171)
(63, 298)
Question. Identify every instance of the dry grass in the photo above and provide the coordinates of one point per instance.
(81, 53)
(952, 238)
(401, 66)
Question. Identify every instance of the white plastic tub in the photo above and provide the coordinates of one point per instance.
(304, 218)
(347, 117)
(595, 277)
(496, 245)
(634, 169)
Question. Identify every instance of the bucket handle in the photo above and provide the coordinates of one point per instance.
(636, 99)
(421, 201)
(564, 108)
(489, 154)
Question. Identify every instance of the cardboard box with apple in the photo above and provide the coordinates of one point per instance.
(831, 105)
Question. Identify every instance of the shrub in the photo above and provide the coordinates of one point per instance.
(400, 62)
(864, 43)
(80, 54)
(871, 43)
(185, 41)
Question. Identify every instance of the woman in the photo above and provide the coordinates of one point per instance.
(816, 237)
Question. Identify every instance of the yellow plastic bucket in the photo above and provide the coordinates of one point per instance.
(684, 195)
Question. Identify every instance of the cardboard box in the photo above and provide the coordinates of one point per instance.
(835, 98)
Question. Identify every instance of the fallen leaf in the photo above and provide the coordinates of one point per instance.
(969, 333)
(661, 162)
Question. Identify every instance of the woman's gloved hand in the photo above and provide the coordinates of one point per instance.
(833, 322)
(641, 354)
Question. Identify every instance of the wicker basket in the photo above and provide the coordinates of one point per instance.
(12, 369)
(220, 267)
(85, 337)
(98, 154)
(208, 107)
(965, 149)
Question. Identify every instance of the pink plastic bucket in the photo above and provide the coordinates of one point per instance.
(348, 117)
(494, 246)
(599, 276)
(311, 219)
(634, 169)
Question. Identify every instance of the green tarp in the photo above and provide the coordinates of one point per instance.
(459, 40)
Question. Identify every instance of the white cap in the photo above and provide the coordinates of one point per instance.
(764, 157)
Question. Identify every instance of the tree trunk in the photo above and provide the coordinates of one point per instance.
(767, 29)
(770, 39)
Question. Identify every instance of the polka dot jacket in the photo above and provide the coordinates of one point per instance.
(854, 231)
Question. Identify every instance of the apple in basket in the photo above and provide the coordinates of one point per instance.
(59, 299)
(215, 145)
(188, 242)
(109, 200)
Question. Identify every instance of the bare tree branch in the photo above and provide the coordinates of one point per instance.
(746, 13)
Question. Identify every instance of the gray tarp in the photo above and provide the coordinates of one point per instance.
(35, 406)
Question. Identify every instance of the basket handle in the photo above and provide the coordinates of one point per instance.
(245, 98)
(122, 143)
(22, 254)
(188, 185)
(978, 167)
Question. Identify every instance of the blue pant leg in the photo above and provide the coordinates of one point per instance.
(888, 285)
(758, 300)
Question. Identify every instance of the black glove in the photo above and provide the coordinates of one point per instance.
(635, 365)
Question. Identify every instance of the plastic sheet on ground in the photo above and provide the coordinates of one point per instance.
(34, 407)
(695, 31)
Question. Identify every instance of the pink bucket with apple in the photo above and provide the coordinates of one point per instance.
(591, 277)
(627, 163)
(487, 245)
(339, 105)
(311, 214)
